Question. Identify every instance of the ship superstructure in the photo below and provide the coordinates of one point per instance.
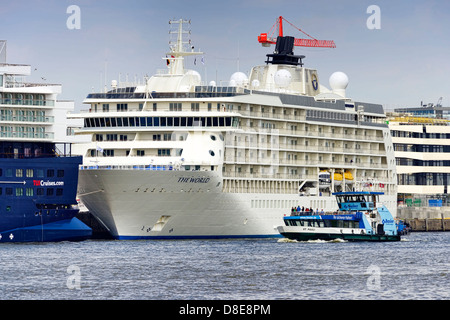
(178, 158)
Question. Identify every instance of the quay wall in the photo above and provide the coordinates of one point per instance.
(426, 218)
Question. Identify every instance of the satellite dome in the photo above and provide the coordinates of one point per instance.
(338, 83)
(282, 78)
(194, 74)
(338, 80)
(238, 78)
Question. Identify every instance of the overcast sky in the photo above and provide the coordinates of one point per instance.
(403, 63)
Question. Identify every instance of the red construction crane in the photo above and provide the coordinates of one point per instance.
(266, 40)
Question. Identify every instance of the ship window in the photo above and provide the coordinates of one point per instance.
(40, 173)
(142, 122)
(131, 122)
(60, 173)
(19, 173)
(59, 191)
(50, 173)
(211, 153)
(49, 191)
(183, 122)
(149, 122)
(29, 192)
(125, 122)
(19, 192)
(30, 173)
(156, 121)
(40, 191)
(9, 191)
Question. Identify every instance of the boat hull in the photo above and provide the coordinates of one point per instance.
(305, 236)
(30, 212)
(145, 204)
(62, 230)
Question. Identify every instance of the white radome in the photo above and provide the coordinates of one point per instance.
(239, 78)
(338, 83)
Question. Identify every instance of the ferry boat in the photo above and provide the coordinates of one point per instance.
(358, 219)
(175, 157)
(38, 175)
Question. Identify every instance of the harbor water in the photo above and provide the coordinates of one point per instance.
(414, 268)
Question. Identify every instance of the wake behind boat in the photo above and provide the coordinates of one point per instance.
(358, 219)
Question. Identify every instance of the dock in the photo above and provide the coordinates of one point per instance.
(422, 219)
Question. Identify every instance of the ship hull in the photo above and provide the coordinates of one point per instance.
(145, 204)
(356, 236)
(37, 207)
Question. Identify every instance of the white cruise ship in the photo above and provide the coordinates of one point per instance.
(176, 158)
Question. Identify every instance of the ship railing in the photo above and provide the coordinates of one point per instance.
(131, 167)
(27, 102)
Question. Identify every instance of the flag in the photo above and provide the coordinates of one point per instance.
(99, 149)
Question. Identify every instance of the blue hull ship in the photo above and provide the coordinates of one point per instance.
(38, 182)
(38, 200)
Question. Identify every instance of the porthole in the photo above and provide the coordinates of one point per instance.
(211, 153)
(213, 138)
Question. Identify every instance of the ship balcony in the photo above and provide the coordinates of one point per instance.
(27, 135)
(28, 119)
(26, 102)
